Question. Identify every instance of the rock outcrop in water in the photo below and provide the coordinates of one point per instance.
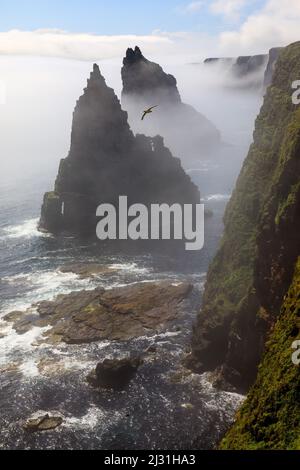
(114, 373)
(118, 314)
(107, 161)
(187, 133)
(251, 301)
(43, 423)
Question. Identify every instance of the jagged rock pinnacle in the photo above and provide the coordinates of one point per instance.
(95, 76)
(106, 160)
(134, 56)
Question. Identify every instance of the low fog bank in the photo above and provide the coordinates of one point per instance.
(35, 119)
(230, 104)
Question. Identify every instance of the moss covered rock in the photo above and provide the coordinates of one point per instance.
(270, 417)
(253, 269)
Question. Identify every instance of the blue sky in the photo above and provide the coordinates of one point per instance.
(102, 29)
(119, 16)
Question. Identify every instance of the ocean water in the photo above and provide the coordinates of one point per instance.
(153, 412)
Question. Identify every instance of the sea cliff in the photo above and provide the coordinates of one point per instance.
(250, 313)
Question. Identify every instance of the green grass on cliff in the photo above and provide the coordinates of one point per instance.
(259, 215)
(270, 417)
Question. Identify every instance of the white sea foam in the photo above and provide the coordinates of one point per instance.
(14, 346)
(205, 167)
(29, 368)
(197, 170)
(217, 197)
(129, 267)
(27, 229)
(94, 417)
(160, 336)
(46, 285)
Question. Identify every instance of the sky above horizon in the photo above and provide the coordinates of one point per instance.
(125, 17)
(98, 29)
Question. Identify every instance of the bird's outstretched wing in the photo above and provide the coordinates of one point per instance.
(148, 111)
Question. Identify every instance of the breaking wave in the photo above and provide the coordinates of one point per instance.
(27, 229)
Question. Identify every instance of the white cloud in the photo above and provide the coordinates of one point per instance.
(276, 24)
(190, 8)
(230, 9)
(56, 43)
(194, 6)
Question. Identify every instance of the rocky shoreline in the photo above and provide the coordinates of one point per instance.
(118, 314)
(103, 368)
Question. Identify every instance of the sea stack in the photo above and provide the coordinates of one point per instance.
(106, 161)
(187, 132)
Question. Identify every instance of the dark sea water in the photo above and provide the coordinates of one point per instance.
(153, 412)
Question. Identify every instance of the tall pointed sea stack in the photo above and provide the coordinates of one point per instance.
(187, 133)
(107, 161)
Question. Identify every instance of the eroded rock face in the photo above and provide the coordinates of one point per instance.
(187, 132)
(114, 373)
(254, 266)
(118, 314)
(107, 161)
(270, 70)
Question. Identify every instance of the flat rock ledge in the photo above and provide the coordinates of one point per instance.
(118, 314)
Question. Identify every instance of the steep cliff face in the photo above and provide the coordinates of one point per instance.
(273, 57)
(270, 417)
(248, 71)
(243, 71)
(254, 267)
(187, 133)
(107, 161)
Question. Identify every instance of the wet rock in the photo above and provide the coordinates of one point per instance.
(179, 375)
(11, 367)
(84, 270)
(114, 373)
(152, 349)
(43, 423)
(51, 367)
(118, 314)
(223, 378)
(187, 406)
(22, 321)
(13, 316)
